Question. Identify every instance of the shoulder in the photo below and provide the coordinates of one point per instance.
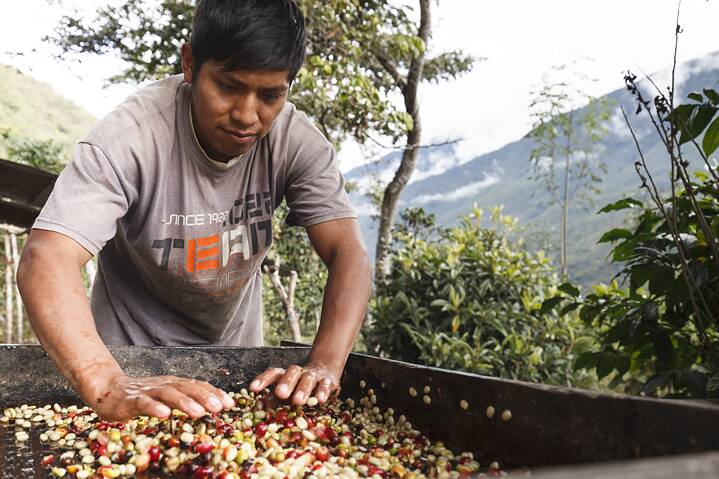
(298, 132)
(141, 117)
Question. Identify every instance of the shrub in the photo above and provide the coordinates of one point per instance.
(467, 298)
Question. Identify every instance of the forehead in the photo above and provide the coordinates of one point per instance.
(256, 79)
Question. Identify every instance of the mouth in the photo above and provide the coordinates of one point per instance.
(240, 136)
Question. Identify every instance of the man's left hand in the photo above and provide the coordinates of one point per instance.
(299, 382)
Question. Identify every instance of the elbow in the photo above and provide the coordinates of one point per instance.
(24, 268)
(352, 255)
(366, 265)
(362, 264)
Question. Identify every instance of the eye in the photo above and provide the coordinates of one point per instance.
(271, 97)
(225, 86)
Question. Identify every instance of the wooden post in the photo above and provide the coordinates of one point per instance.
(8, 290)
(91, 271)
(18, 301)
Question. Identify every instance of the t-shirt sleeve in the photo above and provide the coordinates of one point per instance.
(315, 191)
(87, 201)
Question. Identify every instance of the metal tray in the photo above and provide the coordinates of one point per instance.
(550, 426)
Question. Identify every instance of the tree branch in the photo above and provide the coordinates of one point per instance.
(416, 147)
(391, 68)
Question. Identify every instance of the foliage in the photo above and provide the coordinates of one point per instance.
(663, 326)
(467, 298)
(293, 247)
(44, 154)
(564, 156)
(344, 85)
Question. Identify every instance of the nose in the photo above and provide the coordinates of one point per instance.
(244, 111)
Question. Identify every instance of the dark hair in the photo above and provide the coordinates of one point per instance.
(249, 35)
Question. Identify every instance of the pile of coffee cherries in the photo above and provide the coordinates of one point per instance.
(252, 440)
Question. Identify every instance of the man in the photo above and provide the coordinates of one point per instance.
(175, 190)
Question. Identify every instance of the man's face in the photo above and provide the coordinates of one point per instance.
(233, 110)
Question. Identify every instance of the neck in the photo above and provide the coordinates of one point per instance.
(212, 154)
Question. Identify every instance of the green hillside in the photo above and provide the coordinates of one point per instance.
(33, 110)
(502, 178)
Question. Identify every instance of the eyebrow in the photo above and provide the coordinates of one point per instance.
(271, 88)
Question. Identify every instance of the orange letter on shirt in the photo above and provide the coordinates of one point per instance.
(200, 251)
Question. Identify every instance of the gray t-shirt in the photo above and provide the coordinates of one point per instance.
(181, 240)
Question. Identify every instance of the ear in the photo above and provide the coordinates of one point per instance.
(187, 62)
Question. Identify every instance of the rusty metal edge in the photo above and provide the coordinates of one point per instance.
(697, 466)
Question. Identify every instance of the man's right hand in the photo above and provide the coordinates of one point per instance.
(54, 295)
(118, 397)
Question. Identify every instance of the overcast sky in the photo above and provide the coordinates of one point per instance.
(519, 39)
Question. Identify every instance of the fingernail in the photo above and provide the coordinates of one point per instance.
(197, 410)
(214, 403)
(163, 411)
(229, 402)
(300, 396)
(282, 389)
(321, 396)
(255, 384)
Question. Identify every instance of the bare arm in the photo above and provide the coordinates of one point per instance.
(51, 286)
(339, 244)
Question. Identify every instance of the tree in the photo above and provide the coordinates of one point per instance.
(663, 326)
(468, 298)
(564, 157)
(293, 272)
(361, 53)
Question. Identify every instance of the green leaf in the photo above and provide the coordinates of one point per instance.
(623, 364)
(588, 313)
(663, 348)
(641, 274)
(455, 324)
(696, 96)
(587, 361)
(657, 381)
(711, 138)
(617, 332)
(621, 205)
(695, 381)
(569, 308)
(692, 121)
(661, 280)
(550, 304)
(570, 289)
(712, 95)
(623, 251)
(605, 365)
(614, 235)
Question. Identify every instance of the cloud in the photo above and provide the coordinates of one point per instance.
(363, 207)
(462, 192)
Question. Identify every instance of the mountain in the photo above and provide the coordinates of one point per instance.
(447, 187)
(33, 110)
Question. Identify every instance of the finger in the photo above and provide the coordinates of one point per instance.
(324, 389)
(176, 399)
(304, 388)
(204, 394)
(227, 401)
(116, 414)
(287, 382)
(146, 406)
(266, 378)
